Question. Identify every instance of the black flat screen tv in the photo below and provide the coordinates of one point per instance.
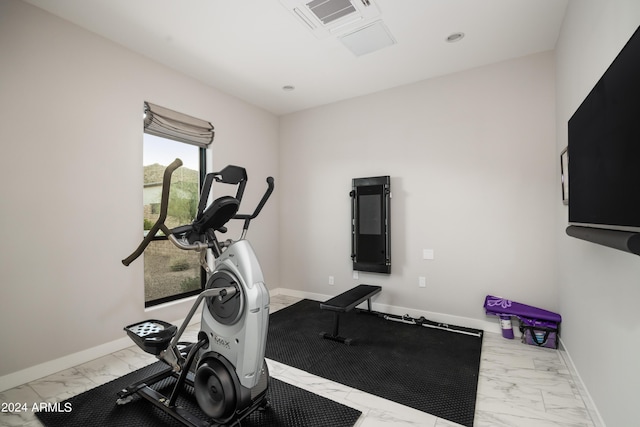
(604, 148)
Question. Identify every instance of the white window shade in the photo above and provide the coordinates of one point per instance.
(170, 124)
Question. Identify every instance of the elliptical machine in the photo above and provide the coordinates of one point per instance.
(226, 366)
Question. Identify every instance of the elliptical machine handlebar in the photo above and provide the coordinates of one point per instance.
(182, 244)
(159, 225)
(247, 218)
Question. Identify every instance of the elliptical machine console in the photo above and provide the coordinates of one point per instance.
(226, 367)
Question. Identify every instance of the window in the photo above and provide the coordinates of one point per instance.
(171, 273)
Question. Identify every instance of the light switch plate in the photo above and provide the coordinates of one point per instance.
(427, 254)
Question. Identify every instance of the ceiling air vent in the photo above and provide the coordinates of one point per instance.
(328, 11)
(332, 17)
(368, 39)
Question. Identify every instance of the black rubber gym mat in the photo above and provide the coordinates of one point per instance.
(290, 406)
(430, 370)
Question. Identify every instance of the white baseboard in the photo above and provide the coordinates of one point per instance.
(584, 392)
(298, 294)
(51, 367)
(484, 325)
(42, 370)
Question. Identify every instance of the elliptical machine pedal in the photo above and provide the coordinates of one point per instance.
(152, 336)
(225, 367)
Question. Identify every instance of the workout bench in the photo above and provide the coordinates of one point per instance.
(344, 303)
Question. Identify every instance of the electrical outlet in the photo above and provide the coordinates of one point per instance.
(331, 281)
(422, 282)
(355, 275)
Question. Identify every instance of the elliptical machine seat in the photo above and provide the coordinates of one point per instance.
(217, 214)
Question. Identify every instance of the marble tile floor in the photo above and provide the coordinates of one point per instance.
(519, 386)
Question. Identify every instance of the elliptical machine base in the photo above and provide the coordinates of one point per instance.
(215, 387)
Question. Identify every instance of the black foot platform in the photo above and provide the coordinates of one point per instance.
(345, 302)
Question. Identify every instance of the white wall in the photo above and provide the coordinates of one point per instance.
(472, 163)
(599, 286)
(71, 182)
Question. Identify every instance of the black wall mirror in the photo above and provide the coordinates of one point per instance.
(370, 224)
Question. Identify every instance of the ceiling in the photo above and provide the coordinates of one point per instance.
(251, 49)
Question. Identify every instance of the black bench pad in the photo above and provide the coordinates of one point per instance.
(344, 302)
(347, 300)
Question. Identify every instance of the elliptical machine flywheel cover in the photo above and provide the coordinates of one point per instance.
(228, 309)
(215, 389)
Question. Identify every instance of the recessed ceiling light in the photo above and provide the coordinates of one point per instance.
(455, 37)
(288, 88)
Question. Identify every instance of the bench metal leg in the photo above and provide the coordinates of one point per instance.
(336, 328)
(346, 302)
(335, 336)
